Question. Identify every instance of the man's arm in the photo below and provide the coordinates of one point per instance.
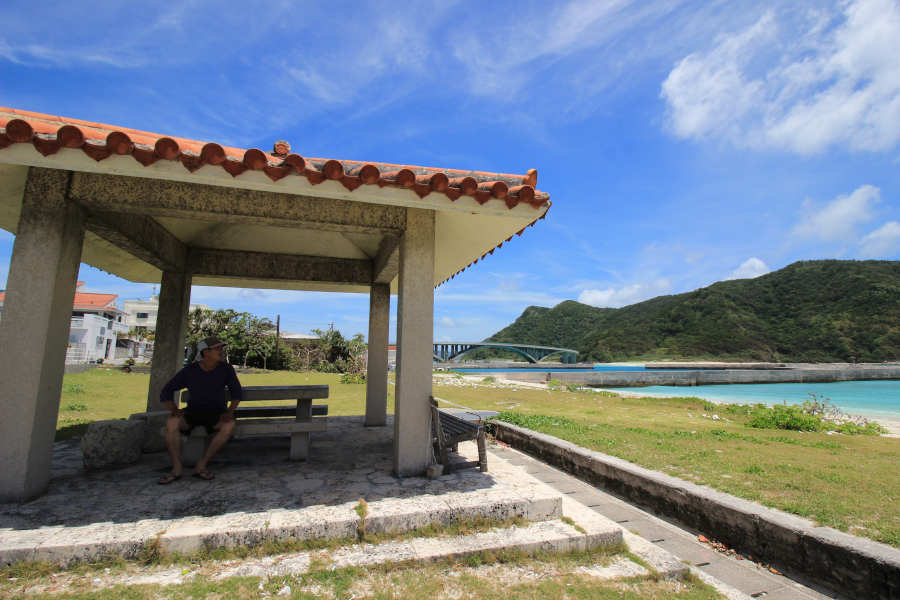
(166, 396)
(237, 392)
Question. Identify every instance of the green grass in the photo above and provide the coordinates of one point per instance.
(848, 482)
(844, 481)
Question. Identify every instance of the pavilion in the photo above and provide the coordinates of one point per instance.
(177, 212)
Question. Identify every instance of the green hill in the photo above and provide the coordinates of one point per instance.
(811, 311)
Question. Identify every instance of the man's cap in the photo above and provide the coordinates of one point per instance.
(204, 344)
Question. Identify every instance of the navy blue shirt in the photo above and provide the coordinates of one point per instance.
(207, 388)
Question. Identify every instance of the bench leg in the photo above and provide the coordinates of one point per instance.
(193, 447)
(300, 446)
(482, 453)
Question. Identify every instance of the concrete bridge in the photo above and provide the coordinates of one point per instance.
(447, 351)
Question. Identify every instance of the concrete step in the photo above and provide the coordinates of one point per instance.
(553, 535)
(70, 544)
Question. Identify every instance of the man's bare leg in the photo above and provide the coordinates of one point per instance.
(215, 444)
(174, 427)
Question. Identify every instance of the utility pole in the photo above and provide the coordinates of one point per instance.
(277, 336)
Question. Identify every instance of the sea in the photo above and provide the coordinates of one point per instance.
(866, 398)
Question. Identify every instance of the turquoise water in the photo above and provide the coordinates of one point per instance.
(558, 369)
(875, 398)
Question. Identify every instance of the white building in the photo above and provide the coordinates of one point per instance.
(142, 313)
(95, 328)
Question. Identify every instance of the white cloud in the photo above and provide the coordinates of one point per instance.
(838, 220)
(623, 296)
(884, 242)
(832, 83)
(750, 268)
(446, 322)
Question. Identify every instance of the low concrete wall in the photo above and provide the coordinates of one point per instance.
(692, 378)
(857, 567)
(79, 367)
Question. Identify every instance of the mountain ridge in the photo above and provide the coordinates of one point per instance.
(808, 311)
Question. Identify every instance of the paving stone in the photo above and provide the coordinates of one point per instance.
(689, 550)
(649, 529)
(748, 581)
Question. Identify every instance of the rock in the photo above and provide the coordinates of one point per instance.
(112, 443)
(155, 430)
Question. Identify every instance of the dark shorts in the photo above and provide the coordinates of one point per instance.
(208, 419)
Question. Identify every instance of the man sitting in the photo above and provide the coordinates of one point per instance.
(206, 379)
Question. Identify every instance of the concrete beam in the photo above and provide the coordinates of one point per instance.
(141, 236)
(155, 197)
(34, 331)
(290, 267)
(376, 374)
(415, 332)
(386, 263)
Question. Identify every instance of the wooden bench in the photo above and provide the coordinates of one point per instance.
(448, 431)
(256, 421)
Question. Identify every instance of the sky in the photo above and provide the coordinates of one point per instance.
(682, 143)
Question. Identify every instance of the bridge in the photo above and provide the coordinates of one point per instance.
(448, 351)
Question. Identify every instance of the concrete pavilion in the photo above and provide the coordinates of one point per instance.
(177, 212)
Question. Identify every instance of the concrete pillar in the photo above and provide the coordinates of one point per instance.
(34, 331)
(377, 364)
(415, 322)
(171, 325)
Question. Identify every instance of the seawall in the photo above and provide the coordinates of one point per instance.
(692, 378)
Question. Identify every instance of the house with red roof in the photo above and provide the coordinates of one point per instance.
(95, 327)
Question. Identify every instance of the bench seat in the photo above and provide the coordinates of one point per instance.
(247, 412)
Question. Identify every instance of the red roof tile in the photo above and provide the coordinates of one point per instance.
(50, 133)
(87, 300)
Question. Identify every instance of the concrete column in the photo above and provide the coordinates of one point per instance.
(171, 326)
(34, 331)
(376, 375)
(415, 322)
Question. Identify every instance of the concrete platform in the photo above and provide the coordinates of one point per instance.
(257, 495)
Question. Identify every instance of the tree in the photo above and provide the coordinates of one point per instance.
(259, 332)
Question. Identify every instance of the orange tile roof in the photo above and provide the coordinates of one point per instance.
(87, 300)
(50, 133)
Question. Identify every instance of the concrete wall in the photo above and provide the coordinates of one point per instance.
(692, 378)
(857, 567)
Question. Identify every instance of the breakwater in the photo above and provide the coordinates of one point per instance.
(714, 377)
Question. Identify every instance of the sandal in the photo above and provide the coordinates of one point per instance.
(170, 478)
(204, 475)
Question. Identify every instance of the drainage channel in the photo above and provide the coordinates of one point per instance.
(756, 581)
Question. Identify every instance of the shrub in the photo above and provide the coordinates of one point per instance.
(784, 417)
(73, 388)
(554, 384)
(573, 387)
(489, 379)
(353, 378)
(75, 406)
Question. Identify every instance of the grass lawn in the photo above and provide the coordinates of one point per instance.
(847, 482)
(851, 483)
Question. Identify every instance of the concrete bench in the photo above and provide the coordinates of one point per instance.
(448, 431)
(257, 421)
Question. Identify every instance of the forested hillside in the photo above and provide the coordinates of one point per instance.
(811, 311)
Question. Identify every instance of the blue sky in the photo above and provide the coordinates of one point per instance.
(682, 143)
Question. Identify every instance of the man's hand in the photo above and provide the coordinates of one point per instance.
(227, 416)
